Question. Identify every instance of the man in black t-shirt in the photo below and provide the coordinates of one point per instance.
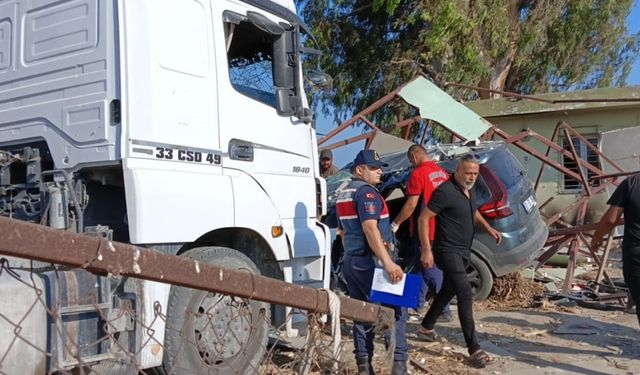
(454, 205)
(625, 200)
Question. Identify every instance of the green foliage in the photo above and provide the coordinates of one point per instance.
(526, 46)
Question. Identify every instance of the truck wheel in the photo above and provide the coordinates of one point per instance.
(210, 333)
(480, 277)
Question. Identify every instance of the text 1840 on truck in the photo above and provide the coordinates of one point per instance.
(178, 125)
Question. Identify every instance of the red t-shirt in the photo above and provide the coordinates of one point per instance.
(423, 181)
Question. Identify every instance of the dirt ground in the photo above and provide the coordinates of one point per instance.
(554, 337)
(548, 339)
(537, 341)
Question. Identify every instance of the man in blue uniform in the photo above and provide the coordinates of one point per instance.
(367, 239)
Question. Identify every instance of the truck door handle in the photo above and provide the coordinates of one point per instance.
(240, 150)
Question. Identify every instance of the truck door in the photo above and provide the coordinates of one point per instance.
(173, 156)
(281, 146)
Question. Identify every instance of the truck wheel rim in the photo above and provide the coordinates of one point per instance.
(222, 328)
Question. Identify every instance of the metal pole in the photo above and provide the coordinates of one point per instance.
(347, 141)
(574, 153)
(100, 256)
(365, 112)
(573, 249)
(554, 135)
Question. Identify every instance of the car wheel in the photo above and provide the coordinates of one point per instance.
(210, 333)
(480, 277)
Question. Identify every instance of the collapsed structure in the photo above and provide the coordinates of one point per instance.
(432, 106)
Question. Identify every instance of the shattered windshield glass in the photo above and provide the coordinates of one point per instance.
(250, 57)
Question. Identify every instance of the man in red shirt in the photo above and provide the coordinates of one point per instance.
(425, 178)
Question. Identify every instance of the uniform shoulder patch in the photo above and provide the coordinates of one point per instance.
(370, 208)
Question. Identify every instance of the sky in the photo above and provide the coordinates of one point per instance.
(633, 23)
(345, 154)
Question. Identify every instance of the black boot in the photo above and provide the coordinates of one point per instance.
(399, 368)
(364, 366)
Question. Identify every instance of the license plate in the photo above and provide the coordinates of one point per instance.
(529, 204)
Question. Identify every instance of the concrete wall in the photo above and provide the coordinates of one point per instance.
(587, 122)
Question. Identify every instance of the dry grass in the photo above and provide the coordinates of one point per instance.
(513, 290)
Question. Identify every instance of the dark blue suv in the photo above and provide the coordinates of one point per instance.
(505, 198)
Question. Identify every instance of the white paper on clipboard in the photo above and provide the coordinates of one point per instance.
(382, 283)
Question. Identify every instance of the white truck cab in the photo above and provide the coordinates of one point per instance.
(179, 125)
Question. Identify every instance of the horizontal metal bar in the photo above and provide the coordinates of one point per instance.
(83, 308)
(100, 256)
(71, 363)
(347, 141)
(617, 295)
(577, 229)
(613, 175)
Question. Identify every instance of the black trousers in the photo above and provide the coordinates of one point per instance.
(455, 283)
(631, 272)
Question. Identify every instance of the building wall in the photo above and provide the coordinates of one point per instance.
(587, 122)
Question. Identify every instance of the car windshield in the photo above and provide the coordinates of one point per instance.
(335, 182)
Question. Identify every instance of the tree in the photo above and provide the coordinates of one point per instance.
(525, 46)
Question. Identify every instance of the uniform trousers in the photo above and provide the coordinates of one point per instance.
(358, 272)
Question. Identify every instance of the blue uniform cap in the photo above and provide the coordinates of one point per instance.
(369, 158)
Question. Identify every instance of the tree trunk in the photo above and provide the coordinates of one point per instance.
(502, 67)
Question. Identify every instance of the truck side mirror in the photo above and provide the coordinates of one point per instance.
(284, 63)
(320, 79)
(285, 68)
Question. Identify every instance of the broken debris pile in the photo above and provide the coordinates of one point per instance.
(514, 290)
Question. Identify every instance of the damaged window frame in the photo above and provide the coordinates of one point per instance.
(286, 62)
(568, 184)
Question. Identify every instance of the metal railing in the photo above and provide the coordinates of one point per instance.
(67, 289)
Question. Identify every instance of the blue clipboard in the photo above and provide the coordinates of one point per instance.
(409, 297)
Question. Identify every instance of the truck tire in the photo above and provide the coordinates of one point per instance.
(480, 277)
(210, 333)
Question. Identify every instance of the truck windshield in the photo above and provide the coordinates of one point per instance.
(250, 57)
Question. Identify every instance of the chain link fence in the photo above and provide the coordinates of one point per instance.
(76, 304)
